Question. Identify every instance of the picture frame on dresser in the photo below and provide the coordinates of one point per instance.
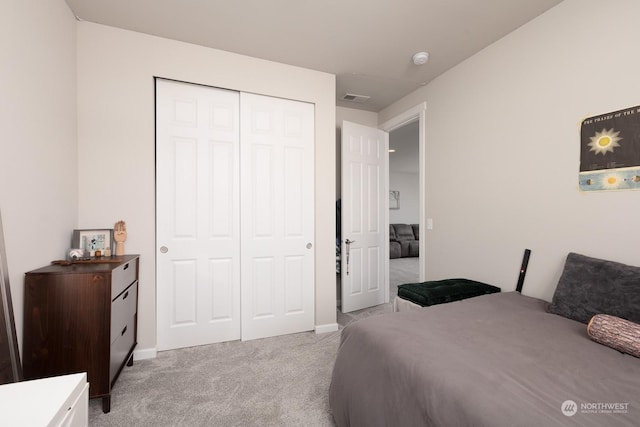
(10, 367)
(90, 240)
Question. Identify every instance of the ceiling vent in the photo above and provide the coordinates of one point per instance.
(355, 98)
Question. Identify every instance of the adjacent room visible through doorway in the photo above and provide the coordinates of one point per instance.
(404, 206)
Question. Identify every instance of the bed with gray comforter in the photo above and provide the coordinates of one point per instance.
(495, 360)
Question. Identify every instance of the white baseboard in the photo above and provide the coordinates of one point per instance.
(323, 329)
(152, 353)
(145, 353)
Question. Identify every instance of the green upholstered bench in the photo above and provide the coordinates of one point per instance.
(442, 291)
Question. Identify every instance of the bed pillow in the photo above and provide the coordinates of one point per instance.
(590, 286)
(616, 333)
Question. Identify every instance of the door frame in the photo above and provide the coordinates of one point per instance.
(418, 112)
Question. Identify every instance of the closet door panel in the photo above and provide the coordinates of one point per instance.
(198, 205)
(184, 169)
(262, 191)
(221, 161)
(277, 196)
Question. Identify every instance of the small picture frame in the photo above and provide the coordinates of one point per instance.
(394, 199)
(92, 240)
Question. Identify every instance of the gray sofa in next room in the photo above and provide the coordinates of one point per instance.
(403, 240)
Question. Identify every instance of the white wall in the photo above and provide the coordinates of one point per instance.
(502, 148)
(38, 164)
(116, 135)
(408, 184)
(366, 118)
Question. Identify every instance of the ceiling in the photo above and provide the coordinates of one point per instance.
(367, 44)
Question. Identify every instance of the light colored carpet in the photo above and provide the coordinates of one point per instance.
(279, 381)
(401, 271)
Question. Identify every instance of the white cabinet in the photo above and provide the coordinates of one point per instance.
(52, 402)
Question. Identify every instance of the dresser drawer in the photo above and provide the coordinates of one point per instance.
(123, 276)
(122, 309)
(121, 346)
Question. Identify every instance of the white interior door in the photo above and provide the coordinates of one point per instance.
(277, 191)
(198, 205)
(364, 208)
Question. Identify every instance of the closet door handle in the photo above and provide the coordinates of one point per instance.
(123, 331)
(164, 249)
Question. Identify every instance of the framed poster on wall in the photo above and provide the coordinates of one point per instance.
(610, 151)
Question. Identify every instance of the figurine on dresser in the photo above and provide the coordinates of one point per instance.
(120, 235)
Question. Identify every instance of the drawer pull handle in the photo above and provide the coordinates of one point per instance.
(123, 331)
(126, 294)
(125, 266)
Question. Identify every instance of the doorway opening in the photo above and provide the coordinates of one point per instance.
(404, 206)
(407, 137)
(358, 193)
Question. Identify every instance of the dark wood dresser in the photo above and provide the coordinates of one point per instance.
(81, 318)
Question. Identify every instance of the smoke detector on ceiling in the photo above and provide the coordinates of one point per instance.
(355, 98)
(421, 58)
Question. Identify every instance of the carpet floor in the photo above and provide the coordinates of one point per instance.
(279, 381)
(401, 271)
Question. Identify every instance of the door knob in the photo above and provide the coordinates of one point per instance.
(164, 249)
(309, 245)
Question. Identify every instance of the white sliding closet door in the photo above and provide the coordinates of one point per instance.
(198, 205)
(235, 215)
(277, 196)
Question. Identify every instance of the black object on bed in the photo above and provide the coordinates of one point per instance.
(523, 270)
(443, 291)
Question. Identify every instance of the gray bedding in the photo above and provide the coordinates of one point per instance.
(494, 360)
